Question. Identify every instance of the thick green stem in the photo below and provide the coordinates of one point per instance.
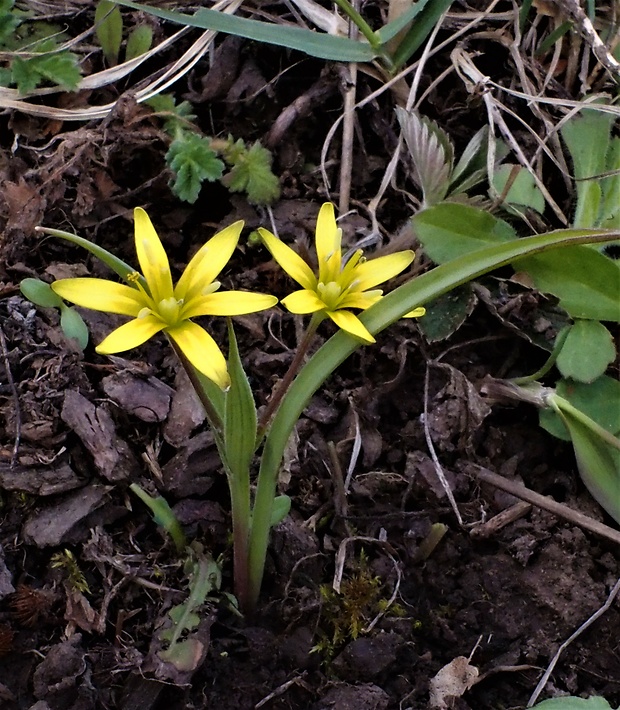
(240, 510)
(364, 27)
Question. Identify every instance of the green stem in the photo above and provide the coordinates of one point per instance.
(364, 27)
(559, 343)
(284, 384)
(239, 487)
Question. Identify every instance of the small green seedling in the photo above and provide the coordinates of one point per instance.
(109, 33)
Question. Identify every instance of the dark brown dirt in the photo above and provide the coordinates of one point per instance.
(89, 426)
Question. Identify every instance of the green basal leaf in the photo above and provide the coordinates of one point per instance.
(163, 516)
(599, 400)
(109, 29)
(586, 281)
(450, 230)
(587, 351)
(281, 508)
(193, 160)
(425, 22)
(139, 41)
(40, 293)
(598, 462)
(523, 192)
(73, 325)
(316, 44)
(251, 173)
(240, 421)
(389, 31)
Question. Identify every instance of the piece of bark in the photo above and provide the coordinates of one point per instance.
(111, 455)
(146, 398)
(39, 480)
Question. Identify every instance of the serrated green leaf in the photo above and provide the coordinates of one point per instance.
(449, 230)
(194, 161)
(586, 281)
(599, 400)
(109, 29)
(73, 325)
(165, 103)
(139, 41)
(40, 293)
(8, 20)
(523, 192)
(59, 68)
(587, 351)
(251, 173)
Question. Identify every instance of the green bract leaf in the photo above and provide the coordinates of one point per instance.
(586, 281)
(599, 400)
(109, 29)
(73, 325)
(59, 68)
(587, 351)
(40, 293)
(251, 173)
(194, 161)
(281, 507)
(316, 44)
(139, 41)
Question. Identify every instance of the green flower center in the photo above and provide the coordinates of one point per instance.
(169, 310)
(330, 293)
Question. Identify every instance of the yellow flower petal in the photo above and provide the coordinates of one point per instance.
(415, 313)
(101, 295)
(207, 262)
(328, 244)
(351, 324)
(376, 271)
(152, 257)
(202, 352)
(228, 303)
(130, 335)
(303, 302)
(289, 260)
(361, 300)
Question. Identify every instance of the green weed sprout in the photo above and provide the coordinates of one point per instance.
(153, 304)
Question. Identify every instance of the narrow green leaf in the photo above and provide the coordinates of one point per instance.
(389, 31)
(420, 30)
(281, 508)
(240, 418)
(109, 29)
(40, 293)
(73, 325)
(587, 351)
(597, 461)
(139, 41)
(162, 515)
(323, 46)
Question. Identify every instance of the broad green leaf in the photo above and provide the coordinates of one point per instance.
(40, 293)
(450, 230)
(587, 351)
(109, 29)
(73, 325)
(610, 209)
(334, 352)
(523, 192)
(586, 281)
(193, 161)
(599, 400)
(316, 44)
(139, 41)
(598, 462)
(573, 704)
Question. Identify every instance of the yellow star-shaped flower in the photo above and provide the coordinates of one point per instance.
(160, 306)
(339, 286)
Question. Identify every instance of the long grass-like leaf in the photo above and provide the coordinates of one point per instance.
(316, 44)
